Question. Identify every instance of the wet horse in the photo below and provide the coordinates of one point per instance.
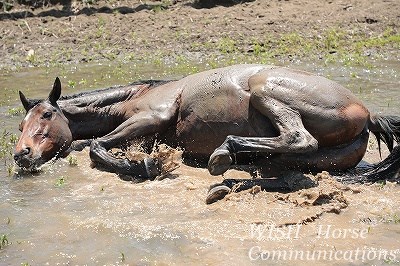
(292, 119)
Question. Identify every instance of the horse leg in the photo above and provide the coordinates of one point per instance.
(219, 191)
(284, 168)
(293, 138)
(143, 123)
(79, 145)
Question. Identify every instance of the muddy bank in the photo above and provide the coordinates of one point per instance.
(177, 31)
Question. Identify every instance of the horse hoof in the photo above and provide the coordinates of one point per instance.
(219, 162)
(217, 193)
(153, 167)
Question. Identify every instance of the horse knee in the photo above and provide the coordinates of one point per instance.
(300, 141)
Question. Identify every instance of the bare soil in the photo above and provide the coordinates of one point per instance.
(108, 30)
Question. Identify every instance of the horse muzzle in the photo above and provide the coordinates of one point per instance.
(25, 160)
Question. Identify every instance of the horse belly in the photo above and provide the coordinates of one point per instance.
(204, 123)
(213, 105)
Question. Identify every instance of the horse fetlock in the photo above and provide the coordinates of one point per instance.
(153, 167)
(97, 152)
(94, 146)
(229, 144)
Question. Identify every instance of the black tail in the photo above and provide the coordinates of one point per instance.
(386, 129)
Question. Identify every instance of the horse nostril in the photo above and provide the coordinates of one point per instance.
(26, 151)
(18, 156)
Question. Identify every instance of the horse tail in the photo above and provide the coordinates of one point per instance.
(387, 130)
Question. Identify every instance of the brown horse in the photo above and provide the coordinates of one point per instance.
(292, 119)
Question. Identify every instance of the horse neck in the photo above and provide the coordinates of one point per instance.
(97, 113)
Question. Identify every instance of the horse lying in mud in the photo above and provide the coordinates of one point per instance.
(292, 120)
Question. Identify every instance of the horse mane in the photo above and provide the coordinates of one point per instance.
(152, 84)
(87, 97)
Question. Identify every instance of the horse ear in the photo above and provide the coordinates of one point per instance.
(25, 102)
(55, 92)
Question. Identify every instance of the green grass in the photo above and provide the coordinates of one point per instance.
(8, 95)
(226, 45)
(347, 48)
(71, 84)
(3, 241)
(16, 111)
(60, 182)
(122, 257)
(334, 45)
(7, 143)
(72, 160)
(393, 219)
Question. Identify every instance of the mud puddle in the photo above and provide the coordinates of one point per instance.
(74, 214)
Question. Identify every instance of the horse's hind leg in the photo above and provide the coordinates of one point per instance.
(285, 169)
(293, 138)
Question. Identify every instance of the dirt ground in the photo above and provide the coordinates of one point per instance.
(108, 30)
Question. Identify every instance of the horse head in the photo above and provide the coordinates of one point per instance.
(45, 131)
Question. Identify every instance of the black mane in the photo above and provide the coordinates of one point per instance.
(152, 83)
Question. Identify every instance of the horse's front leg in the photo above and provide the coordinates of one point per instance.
(140, 124)
(148, 168)
(76, 145)
(79, 145)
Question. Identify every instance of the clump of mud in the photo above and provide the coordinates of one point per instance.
(168, 157)
(318, 194)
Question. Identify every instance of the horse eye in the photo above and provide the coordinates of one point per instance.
(47, 115)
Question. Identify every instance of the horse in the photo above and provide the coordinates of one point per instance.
(290, 119)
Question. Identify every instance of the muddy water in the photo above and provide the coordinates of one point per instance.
(94, 218)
